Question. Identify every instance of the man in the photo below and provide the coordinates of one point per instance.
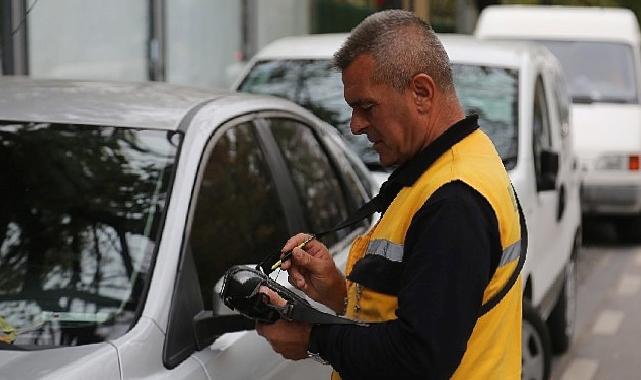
(448, 240)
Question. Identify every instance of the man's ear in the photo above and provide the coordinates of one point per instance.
(423, 90)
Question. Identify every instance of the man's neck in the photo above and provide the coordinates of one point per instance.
(447, 113)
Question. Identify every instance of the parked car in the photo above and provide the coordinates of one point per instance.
(599, 51)
(124, 203)
(519, 92)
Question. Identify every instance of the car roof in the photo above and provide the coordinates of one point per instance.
(313, 46)
(465, 49)
(460, 48)
(145, 105)
(558, 23)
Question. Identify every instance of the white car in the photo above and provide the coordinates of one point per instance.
(519, 92)
(124, 203)
(599, 50)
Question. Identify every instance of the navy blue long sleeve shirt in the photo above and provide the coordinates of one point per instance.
(451, 250)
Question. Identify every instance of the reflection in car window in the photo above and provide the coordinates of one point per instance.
(597, 71)
(79, 219)
(315, 85)
(316, 181)
(492, 93)
(238, 218)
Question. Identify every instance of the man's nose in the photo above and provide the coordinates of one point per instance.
(357, 124)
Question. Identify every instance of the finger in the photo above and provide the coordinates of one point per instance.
(295, 241)
(297, 280)
(300, 258)
(274, 298)
(260, 329)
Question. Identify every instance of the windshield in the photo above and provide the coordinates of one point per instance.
(316, 85)
(80, 211)
(597, 71)
(492, 94)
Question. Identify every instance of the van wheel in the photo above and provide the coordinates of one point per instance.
(536, 350)
(562, 319)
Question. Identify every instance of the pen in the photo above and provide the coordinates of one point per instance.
(288, 255)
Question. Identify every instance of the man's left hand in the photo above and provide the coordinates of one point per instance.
(288, 338)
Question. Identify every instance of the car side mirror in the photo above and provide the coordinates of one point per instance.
(209, 327)
(549, 170)
(211, 324)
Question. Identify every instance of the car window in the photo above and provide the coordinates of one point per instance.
(492, 94)
(541, 136)
(356, 177)
(318, 184)
(238, 218)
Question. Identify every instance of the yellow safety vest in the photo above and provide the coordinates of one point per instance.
(494, 348)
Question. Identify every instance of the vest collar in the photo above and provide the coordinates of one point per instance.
(408, 173)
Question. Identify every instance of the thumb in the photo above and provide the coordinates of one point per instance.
(274, 298)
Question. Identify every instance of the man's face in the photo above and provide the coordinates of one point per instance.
(381, 112)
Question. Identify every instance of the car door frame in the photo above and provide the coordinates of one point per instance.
(186, 298)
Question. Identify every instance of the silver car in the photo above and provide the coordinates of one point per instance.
(122, 205)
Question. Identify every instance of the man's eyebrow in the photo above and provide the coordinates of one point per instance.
(358, 102)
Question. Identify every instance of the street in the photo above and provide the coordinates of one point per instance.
(608, 332)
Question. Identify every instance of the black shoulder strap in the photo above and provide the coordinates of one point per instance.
(496, 298)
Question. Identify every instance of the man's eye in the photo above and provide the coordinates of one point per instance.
(367, 107)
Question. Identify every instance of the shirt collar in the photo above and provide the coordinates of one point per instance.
(408, 173)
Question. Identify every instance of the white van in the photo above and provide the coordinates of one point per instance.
(599, 51)
(519, 92)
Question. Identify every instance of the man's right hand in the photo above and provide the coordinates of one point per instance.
(313, 271)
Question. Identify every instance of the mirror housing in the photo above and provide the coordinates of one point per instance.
(208, 327)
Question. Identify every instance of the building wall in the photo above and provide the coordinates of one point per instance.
(206, 41)
(203, 39)
(88, 39)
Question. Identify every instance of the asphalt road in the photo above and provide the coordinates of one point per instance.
(607, 343)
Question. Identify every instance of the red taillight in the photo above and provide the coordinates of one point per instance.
(633, 162)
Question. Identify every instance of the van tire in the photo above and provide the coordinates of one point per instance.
(536, 349)
(562, 319)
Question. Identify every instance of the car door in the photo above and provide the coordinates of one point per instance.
(545, 231)
(257, 186)
(240, 214)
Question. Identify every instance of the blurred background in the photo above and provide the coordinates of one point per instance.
(193, 42)
(207, 43)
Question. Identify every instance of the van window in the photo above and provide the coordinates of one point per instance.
(541, 136)
(318, 185)
(597, 71)
(492, 93)
(238, 217)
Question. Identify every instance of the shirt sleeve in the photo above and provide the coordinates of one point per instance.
(451, 250)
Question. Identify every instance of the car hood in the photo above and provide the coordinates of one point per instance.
(96, 362)
(601, 127)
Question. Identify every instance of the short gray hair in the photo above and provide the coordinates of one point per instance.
(402, 46)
